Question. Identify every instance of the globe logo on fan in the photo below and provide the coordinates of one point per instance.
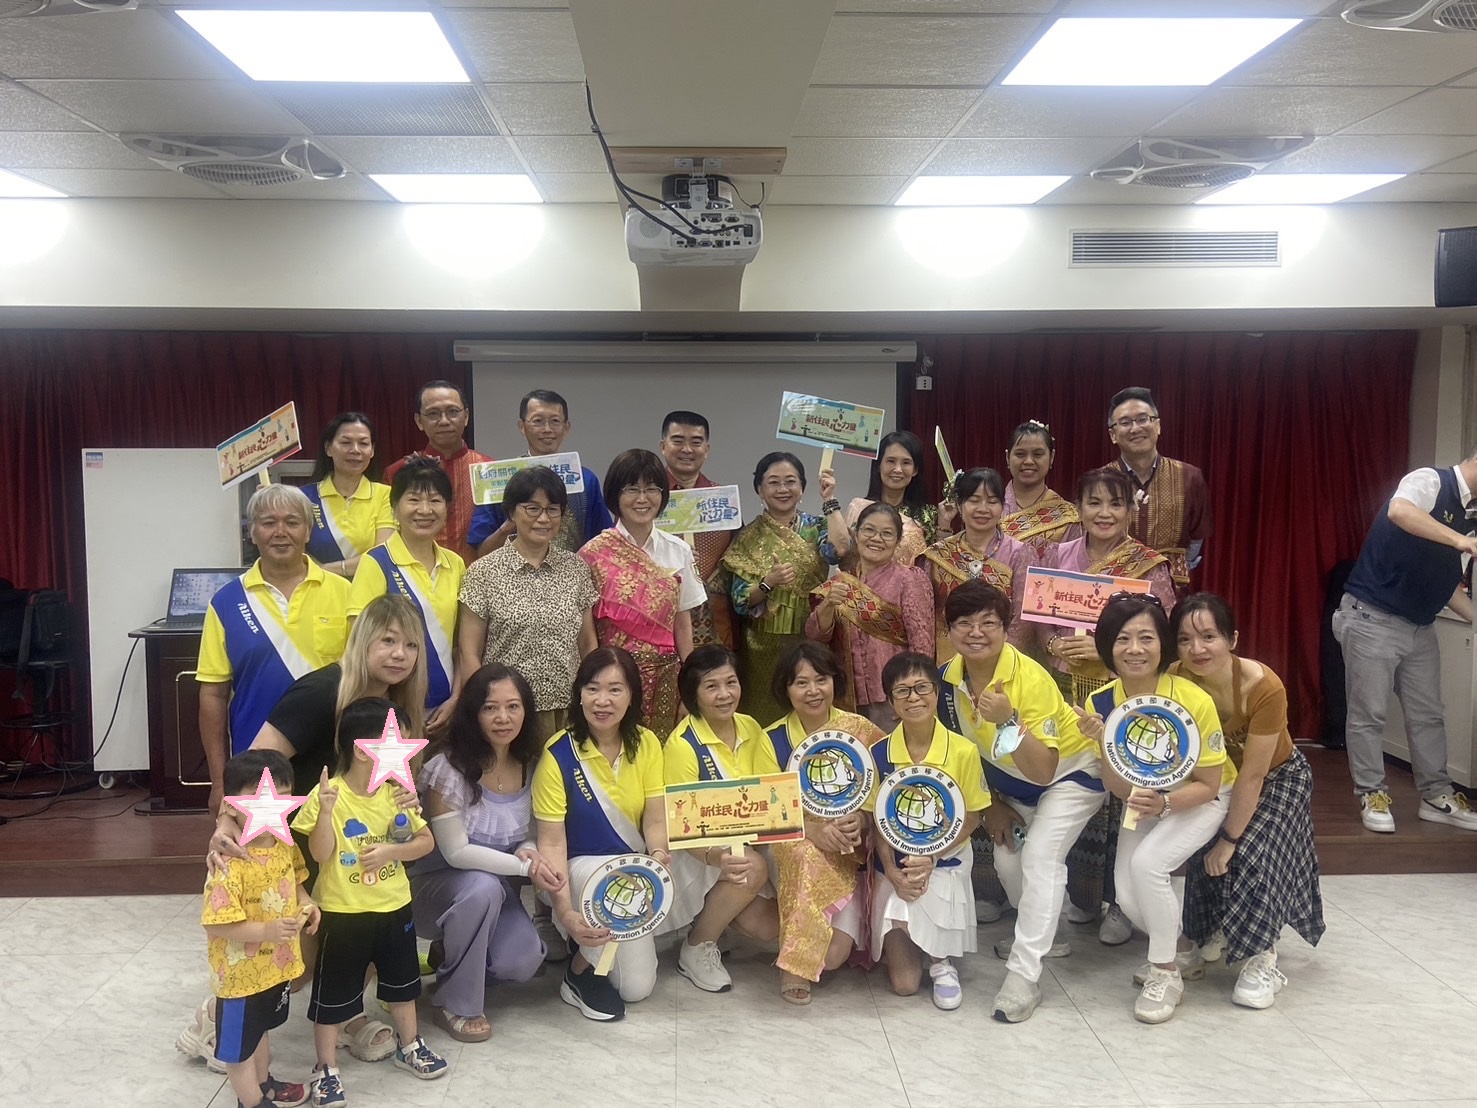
(920, 810)
(1152, 742)
(628, 895)
(1150, 739)
(836, 773)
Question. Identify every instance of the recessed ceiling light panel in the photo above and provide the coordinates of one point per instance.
(945, 192)
(1299, 188)
(458, 188)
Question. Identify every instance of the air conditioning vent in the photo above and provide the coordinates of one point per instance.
(12, 8)
(1413, 15)
(239, 161)
(1197, 163)
(1175, 248)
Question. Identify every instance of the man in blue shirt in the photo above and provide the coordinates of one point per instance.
(1409, 570)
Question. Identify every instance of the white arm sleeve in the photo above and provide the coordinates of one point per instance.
(451, 839)
(1421, 488)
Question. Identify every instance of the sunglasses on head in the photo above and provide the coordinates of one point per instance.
(1140, 597)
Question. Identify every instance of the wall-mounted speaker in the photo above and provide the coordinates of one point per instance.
(1456, 268)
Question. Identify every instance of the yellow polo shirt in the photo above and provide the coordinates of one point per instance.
(315, 621)
(754, 756)
(370, 583)
(1202, 710)
(948, 751)
(629, 784)
(363, 514)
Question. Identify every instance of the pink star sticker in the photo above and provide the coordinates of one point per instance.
(391, 755)
(265, 810)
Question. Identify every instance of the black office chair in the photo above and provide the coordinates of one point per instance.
(42, 652)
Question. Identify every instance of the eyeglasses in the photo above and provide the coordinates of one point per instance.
(782, 486)
(873, 533)
(544, 424)
(922, 691)
(1141, 597)
(1128, 423)
(984, 626)
(448, 415)
(534, 511)
(636, 492)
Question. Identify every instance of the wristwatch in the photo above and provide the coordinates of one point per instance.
(1008, 736)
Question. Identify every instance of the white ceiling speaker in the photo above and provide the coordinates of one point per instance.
(239, 161)
(11, 8)
(1413, 15)
(1196, 163)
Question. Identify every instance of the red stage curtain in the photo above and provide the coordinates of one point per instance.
(1301, 436)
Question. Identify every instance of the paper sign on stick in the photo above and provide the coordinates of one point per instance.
(740, 810)
(694, 511)
(948, 463)
(814, 421)
(1072, 599)
(490, 479)
(251, 451)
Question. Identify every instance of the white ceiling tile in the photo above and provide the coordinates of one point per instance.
(1085, 190)
(836, 190)
(541, 108)
(1465, 164)
(125, 182)
(24, 110)
(465, 154)
(577, 188)
(352, 187)
(1272, 9)
(1441, 111)
(449, 4)
(881, 112)
(936, 7)
(1298, 110)
(74, 150)
(823, 157)
(568, 154)
(1332, 52)
(140, 43)
(1468, 81)
(519, 45)
(1021, 112)
(198, 107)
(918, 50)
(1427, 188)
(1375, 154)
(986, 156)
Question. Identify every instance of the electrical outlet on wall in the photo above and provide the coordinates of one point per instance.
(924, 383)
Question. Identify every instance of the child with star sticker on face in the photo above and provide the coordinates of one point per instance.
(254, 910)
(362, 840)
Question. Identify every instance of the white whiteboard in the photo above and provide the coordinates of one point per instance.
(146, 513)
(617, 406)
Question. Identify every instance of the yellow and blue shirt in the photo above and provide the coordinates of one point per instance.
(599, 803)
(345, 526)
(694, 753)
(948, 751)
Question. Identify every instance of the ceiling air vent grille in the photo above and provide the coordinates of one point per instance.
(1175, 248)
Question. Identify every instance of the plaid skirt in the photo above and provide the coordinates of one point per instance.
(1272, 879)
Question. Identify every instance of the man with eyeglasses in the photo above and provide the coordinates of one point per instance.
(441, 414)
(1171, 504)
(543, 418)
(684, 447)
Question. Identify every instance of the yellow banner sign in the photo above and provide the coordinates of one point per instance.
(739, 810)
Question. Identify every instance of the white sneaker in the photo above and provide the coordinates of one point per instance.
(987, 911)
(1060, 948)
(1374, 810)
(1115, 929)
(1080, 915)
(1161, 995)
(703, 966)
(1260, 981)
(1213, 949)
(1452, 808)
(198, 1039)
(1191, 965)
(1017, 999)
(947, 992)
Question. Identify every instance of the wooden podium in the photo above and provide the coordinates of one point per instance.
(179, 778)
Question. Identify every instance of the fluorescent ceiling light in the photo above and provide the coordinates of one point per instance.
(458, 188)
(941, 192)
(1142, 52)
(15, 187)
(1299, 188)
(385, 47)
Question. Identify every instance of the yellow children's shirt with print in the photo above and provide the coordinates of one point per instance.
(344, 885)
(258, 889)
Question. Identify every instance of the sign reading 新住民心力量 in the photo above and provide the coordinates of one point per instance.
(1072, 599)
(269, 440)
(489, 479)
(694, 511)
(830, 424)
(740, 810)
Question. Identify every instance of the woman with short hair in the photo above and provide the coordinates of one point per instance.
(351, 509)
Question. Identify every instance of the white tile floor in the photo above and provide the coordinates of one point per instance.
(1384, 1012)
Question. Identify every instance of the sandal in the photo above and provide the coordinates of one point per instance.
(362, 1043)
(457, 1026)
(796, 992)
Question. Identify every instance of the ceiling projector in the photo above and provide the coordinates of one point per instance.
(697, 225)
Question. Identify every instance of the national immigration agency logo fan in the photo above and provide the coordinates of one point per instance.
(630, 895)
(920, 810)
(836, 771)
(1151, 742)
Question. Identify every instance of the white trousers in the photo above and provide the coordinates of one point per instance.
(634, 971)
(1035, 876)
(1147, 855)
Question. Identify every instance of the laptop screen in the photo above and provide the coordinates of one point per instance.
(191, 590)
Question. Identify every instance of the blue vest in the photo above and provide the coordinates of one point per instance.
(1408, 576)
(586, 825)
(259, 677)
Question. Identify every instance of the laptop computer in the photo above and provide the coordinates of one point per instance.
(190, 592)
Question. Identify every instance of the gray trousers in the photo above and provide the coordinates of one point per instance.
(1382, 650)
(488, 935)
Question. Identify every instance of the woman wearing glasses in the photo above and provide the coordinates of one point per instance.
(529, 603)
(1034, 513)
(980, 552)
(647, 583)
(1043, 777)
(879, 611)
(773, 564)
(1133, 641)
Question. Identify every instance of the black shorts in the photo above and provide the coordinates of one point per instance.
(348, 944)
(241, 1022)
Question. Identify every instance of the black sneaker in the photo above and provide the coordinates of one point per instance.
(594, 996)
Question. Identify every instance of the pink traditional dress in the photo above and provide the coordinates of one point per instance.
(1003, 563)
(1052, 519)
(920, 527)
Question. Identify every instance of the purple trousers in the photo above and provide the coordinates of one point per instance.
(488, 936)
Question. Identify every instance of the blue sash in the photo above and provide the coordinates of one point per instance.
(323, 543)
(707, 766)
(259, 676)
(438, 667)
(587, 826)
(779, 737)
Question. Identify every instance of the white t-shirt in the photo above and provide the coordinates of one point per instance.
(676, 555)
(1422, 486)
